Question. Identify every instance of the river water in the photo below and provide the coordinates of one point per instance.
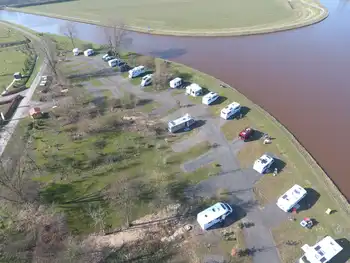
(299, 76)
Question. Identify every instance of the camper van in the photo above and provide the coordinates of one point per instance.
(291, 198)
(88, 52)
(181, 123)
(175, 83)
(114, 62)
(230, 110)
(210, 98)
(213, 215)
(322, 252)
(263, 164)
(76, 52)
(146, 80)
(137, 71)
(194, 90)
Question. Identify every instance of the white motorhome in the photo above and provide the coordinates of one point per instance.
(230, 110)
(291, 198)
(175, 83)
(262, 164)
(114, 62)
(137, 71)
(181, 123)
(76, 52)
(210, 98)
(146, 80)
(322, 252)
(194, 90)
(213, 215)
(88, 52)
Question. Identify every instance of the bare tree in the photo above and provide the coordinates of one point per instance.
(162, 75)
(115, 35)
(48, 50)
(123, 193)
(148, 62)
(70, 31)
(98, 215)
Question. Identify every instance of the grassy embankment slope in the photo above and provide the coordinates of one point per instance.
(174, 17)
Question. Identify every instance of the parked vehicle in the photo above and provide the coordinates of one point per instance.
(175, 83)
(146, 80)
(291, 198)
(230, 110)
(321, 252)
(89, 52)
(246, 134)
(213, 215)
(76, 52)
(113, 62)
(181, 123)
(137, 71)
(210, 98)
(194, 90)
(263, 164)
(105, 56)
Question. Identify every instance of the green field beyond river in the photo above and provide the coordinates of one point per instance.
(191, 17)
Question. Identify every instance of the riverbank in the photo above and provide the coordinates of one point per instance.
(307, 12)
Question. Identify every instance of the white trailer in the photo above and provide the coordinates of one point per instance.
(262, 164)
(213, 215)
(146, 80)
(175, 83)
(230, 110)
(137, 71)
(76, 52)
(291, 198)
(210, 98)
(88, 52)
(181, 123)
(114, 62)
(322, 252)
(194, 90)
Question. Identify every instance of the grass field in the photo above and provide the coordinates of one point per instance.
(232, 17)
(12, 60)
(9, 35)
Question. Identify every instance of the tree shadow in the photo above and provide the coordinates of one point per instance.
(220, 100)
(257, 135)
(107, 72)
(279, 164)
(344, 255)
(143, 102)
(309, 200)
(244, 111)
(170, 53)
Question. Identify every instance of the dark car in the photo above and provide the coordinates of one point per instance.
(124, 67)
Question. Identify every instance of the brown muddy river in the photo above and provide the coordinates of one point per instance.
(300, 76)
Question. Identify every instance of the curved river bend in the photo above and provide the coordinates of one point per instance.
(299, 76)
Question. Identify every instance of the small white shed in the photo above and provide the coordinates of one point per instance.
(76, 52)
(175, 83)
(88, 52)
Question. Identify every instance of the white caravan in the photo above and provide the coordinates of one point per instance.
(194, 90)
(262, 164)
(230, 110)
(291, 198)
(137, 71)
(76, 52)
(114, 62)
(210, 98)
(175, 83)
(322, 252)
(184, 122)
(146, 80)
(213, 215)
(88, 52)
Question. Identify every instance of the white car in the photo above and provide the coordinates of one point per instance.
(210, 98)
(42, 83)
(44, 78)
(146, 80)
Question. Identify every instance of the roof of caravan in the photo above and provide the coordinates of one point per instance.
(88, 50)
(138, 68)
(180, 120)
(175, 80)
(292, 196)
(323, 251)
(230, 107)
(262, 162)
(75, 49)
(194, 86)
(210, 95)
(211, 213)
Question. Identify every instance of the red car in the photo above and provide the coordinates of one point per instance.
(246, 134)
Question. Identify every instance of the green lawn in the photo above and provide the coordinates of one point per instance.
(9, 35)
(11, 61)
(175, 14)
